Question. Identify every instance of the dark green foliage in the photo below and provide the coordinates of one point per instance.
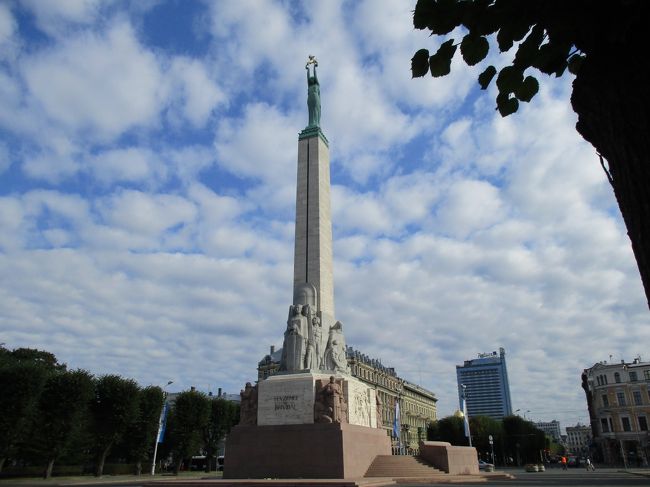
(604, 44)
(527, 89)
(440, 62)
(448, 429)
(474, 48)
(113, 409)
(189, 417)
(21, 385)
(142, 433)
(486, 76)
(23, 372)
(544, 38)
(420, 63)
(223, 416)
(62, 409)
(523, 441)
(33, 356)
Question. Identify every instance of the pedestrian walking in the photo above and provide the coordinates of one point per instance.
(563, 461)
(589, 465)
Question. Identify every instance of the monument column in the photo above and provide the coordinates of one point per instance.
(313, 243)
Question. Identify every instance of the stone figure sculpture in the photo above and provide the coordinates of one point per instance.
(329, 404)
(314, 357)
(313, 94)
(335, 358)
(248, 405)
(380, 410)
(295, 340)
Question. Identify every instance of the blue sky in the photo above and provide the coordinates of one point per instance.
(147, 184)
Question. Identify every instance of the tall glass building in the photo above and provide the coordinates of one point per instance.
(487, 390)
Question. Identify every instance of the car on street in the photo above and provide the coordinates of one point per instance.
(483, 465)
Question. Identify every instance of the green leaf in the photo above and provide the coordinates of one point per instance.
(552, 58)
(423, 12)
(486, 76)
(509, 79)
(420, 63)
(474, 48)
(528, 49)
(506, 105)
(528, 88)
(510, 33)
(575, 62)
(440, 62)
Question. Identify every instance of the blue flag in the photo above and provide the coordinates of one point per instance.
(396, 422)
(162, 422)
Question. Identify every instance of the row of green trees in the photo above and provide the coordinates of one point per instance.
(513, 437)
(49, 414)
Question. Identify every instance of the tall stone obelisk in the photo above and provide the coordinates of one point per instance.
(312, 419)
(313, 247)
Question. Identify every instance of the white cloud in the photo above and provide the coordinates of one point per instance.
(152, 243)
(130, 165)
(147, 215)
(53, 16)
(199, 94)
(100, 85)
(261, 146)
(470, 206)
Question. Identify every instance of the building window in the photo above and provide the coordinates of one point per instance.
(626, 424)
(617, 377)
(605, 401)
(604, 425)
(633, 377)
(637, 398)
(643, 423)
(620, 397)
(598, 380)
(646, 374)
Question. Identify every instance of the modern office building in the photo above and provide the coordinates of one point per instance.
(551, 429)
(618, 400)
(485, 381)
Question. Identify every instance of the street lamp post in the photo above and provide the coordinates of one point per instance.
(160, 423)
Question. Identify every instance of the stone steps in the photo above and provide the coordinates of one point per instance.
(401, 466)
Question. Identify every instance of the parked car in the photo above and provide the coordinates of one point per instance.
(488, 467)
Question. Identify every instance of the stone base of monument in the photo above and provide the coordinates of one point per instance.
(289, 399)
(321, 450)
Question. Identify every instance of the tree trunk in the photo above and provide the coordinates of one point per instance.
(177, 466)
(2, 462)
(138, 467)
(611, 99)
(101, 460)
(48, 469)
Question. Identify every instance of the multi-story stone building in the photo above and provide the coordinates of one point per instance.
(618, 400)
(551, 429)
(417, 404)
(485, 382)
(578, 439)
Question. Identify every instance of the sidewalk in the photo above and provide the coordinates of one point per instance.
(106, 479)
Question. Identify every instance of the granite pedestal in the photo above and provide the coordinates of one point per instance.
(321, 450)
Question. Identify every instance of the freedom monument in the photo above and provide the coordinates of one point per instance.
(313, 419)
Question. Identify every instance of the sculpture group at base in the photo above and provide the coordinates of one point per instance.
(329, 403)
(303, 347)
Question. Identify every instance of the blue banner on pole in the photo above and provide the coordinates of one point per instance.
(162, 423)
(396, 422)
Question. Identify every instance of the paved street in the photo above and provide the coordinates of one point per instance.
(557, 477)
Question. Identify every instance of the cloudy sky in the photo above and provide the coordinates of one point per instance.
(147, 183)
